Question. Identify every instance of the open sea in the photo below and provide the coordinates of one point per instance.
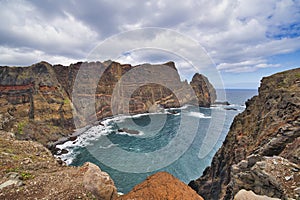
(180, 141)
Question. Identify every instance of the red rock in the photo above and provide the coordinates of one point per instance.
(161, 185)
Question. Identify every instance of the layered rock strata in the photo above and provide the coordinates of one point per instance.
(38, 102)
(261, 151)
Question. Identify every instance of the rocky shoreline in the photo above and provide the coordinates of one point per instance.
(259, 159)
(36, 104)
(261, 152)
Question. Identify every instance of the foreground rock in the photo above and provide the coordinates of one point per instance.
(29, 171)
(161, 185)
(98, 182)
(36, 102)
(249, 195)
(261, 152)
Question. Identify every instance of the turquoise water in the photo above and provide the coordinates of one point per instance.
(180, 141)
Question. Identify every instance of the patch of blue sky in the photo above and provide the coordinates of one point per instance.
(284, 31)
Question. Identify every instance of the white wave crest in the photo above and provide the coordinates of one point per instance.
(197, 114)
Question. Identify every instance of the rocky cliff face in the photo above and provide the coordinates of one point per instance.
(36, 102)
(33, 103)
(261, 152)
(204, 90)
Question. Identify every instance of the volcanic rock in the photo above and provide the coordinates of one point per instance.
(265, 137)
(38, 102)
(161, 185)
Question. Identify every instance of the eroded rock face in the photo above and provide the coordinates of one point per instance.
(36, 102)
(161, 185)
(204, 90)
(266, 133)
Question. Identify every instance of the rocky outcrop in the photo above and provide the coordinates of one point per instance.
(29, 171)
(261, 150)
(98, 182)
(204, 90)
(250, 195)
(33, 104)
(161, 185)
(37, 102)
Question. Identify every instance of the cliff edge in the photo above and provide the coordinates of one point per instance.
(37, 102)
(261, 152)
(29, 171)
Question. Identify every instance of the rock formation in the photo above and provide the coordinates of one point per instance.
(161, 185)
(36, 102)
(29, 171)
(204, 90)
(250, 195)
(262, 149)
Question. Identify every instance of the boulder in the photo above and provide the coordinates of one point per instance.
(98, 182)
(161, 185)
(250, 195)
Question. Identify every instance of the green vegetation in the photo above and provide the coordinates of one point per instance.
(66, 101)
(12, 170)
(297, 75)
(26, 176)
(21, 126)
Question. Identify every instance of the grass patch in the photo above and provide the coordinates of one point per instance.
(12, 170)
(66, 101)
(21, 126)
(26, 176)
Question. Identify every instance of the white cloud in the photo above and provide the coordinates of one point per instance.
(13, 56)
(239, 35)
(22, 26)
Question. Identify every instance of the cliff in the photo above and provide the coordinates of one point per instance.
(261, 152)
(36, 102)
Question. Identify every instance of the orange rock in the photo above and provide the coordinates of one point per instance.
(161, 185)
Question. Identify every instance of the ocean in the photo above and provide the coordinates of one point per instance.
(181, 141)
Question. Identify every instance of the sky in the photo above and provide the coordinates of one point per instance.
(244, 39)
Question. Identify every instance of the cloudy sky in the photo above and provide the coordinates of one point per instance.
(245, 39)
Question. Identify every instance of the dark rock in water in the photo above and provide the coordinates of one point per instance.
(64, 151)
(72, 138)
(101, 124)
(173, 112)
(262, 147)
(59, 152)
(226, 103)
(230, 109)
(126, 130)
(55, 151)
